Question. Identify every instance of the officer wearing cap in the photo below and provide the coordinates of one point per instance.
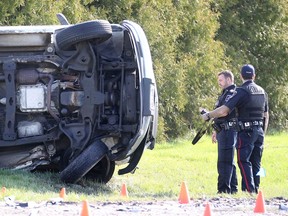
(251, 104)
(225, 135)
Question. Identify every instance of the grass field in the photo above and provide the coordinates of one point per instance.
(159, 176)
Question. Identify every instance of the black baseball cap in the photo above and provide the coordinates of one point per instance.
(247, 71)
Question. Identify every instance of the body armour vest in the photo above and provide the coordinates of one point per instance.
(253, 110)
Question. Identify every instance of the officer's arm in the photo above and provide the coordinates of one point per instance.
(266, 114)
(220, 112)
(217, 113)
(266, 121)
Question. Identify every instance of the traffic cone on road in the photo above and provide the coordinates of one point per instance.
(184, 194)
(85, 209)
(207, 211)
(260, 204)
(124, 192)
(3, 190)
(62, 193)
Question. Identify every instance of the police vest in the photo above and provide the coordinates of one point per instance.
(253, 110)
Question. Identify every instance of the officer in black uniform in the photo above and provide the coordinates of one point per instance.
(226, 137)
(251, 103)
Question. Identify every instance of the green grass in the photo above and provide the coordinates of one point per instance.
(159, 176)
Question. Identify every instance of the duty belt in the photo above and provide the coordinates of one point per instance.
(248, 125)
(224, 125)
(228, 125)
(239, 126)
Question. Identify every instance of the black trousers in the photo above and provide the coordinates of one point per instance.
(249, 154)
(227, 178)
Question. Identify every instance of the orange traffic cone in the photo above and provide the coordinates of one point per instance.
(124, 192)
(260, 205)
(85, 209)
(184, 194)
(62, 193)
(207, 211)
(3, 190)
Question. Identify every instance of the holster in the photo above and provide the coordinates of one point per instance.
(216, 127)
(240, 126)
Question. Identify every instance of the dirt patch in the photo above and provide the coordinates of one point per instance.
(221, 206)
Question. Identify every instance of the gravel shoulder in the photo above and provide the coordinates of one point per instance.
(218, 206)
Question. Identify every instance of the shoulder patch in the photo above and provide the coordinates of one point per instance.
(230, 96)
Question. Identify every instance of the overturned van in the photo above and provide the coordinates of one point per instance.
(77, 99)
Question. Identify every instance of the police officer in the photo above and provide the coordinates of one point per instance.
(226, 137)
(251, 104)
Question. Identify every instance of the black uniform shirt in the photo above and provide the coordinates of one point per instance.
(223, 98)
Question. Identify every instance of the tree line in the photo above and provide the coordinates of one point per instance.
(191, 41)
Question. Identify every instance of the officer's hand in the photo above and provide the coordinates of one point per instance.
(203, 110)
(214, 140)
(205, 116)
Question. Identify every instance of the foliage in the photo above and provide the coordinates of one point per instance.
(31, 12)
(201, 57)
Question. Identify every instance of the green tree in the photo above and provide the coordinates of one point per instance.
(160, 19)
(202, 56)
(31, 12)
